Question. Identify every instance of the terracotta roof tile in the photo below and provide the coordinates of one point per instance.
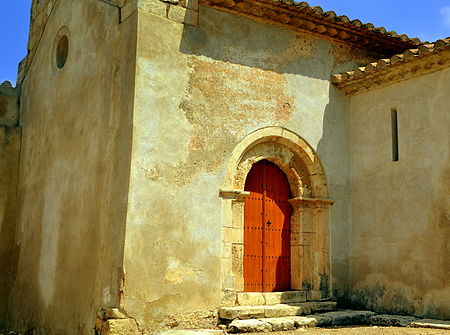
(353, 81)
(300, 15)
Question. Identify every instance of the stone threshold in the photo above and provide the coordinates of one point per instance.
(227, 314)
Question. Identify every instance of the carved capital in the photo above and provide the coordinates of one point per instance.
(233, 194)
(310, 202)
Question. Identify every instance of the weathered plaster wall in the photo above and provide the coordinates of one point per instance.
(401, 210)
(199, 92)
(74, 170)
(9, 167)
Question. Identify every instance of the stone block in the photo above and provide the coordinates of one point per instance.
(280, 324)
(311, 321)
(228, 298)
(274, 298)
(233, 235)
(391, 320)
(250, 298)
(114, 313)
(348, 317)
(183, 15)
(306, 239)
(191, 4)
(241, 312)
(120, 327)
(227, 250)
(281, 310)
(237, 220)
(318, 307)
(313, 295)
(155, 7)
(249, 326)
(237, 260)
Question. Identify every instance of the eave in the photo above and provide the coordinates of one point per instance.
(313, 20)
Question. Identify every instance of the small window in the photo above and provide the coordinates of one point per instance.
(394, 129)
(62, 50)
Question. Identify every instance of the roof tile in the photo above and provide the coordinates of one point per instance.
(345, 79)
(315, 19)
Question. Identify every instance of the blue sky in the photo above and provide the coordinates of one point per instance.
(428, 20)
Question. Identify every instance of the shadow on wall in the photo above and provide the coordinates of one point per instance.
(333, 149)
(230, 38)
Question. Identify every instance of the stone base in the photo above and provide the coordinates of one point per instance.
(119, 327)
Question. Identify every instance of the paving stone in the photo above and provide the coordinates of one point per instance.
(249, 326)
(280, 324)
(391, 320)
(431, 323)
(349, 317)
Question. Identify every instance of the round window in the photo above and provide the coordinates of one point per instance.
(60, 51)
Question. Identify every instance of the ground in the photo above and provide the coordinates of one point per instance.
(362, 331)
(340, 331)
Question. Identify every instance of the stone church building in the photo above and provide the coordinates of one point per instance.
(162, 159)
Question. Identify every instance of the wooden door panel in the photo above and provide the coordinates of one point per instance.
(253, 232)
(267, 216)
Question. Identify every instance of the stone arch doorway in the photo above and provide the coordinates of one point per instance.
(267, 229)
(310, 226)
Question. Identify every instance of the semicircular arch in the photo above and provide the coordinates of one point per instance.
(289, 151)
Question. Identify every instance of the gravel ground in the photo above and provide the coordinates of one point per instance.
(362, 331)
(340, 331)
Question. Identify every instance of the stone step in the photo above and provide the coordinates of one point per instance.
(270, 298)
(273, 311)
(337, 318)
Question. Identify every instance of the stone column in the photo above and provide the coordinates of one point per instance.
(310, 247)
(233, 241)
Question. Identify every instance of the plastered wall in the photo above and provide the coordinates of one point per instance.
(9, 167)
(74, 167)
(199, 91)
(399, 256)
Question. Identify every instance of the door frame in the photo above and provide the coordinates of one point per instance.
(310, 226)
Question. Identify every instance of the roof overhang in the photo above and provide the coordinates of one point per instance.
(313, 20)
(425, 59)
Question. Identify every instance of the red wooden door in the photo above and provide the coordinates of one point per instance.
(267, 230)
